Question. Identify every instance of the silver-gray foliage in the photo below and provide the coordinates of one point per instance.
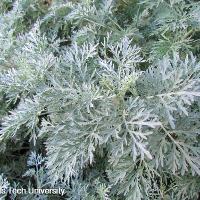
(111, 122)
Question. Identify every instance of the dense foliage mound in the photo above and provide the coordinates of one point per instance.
(100, 98)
